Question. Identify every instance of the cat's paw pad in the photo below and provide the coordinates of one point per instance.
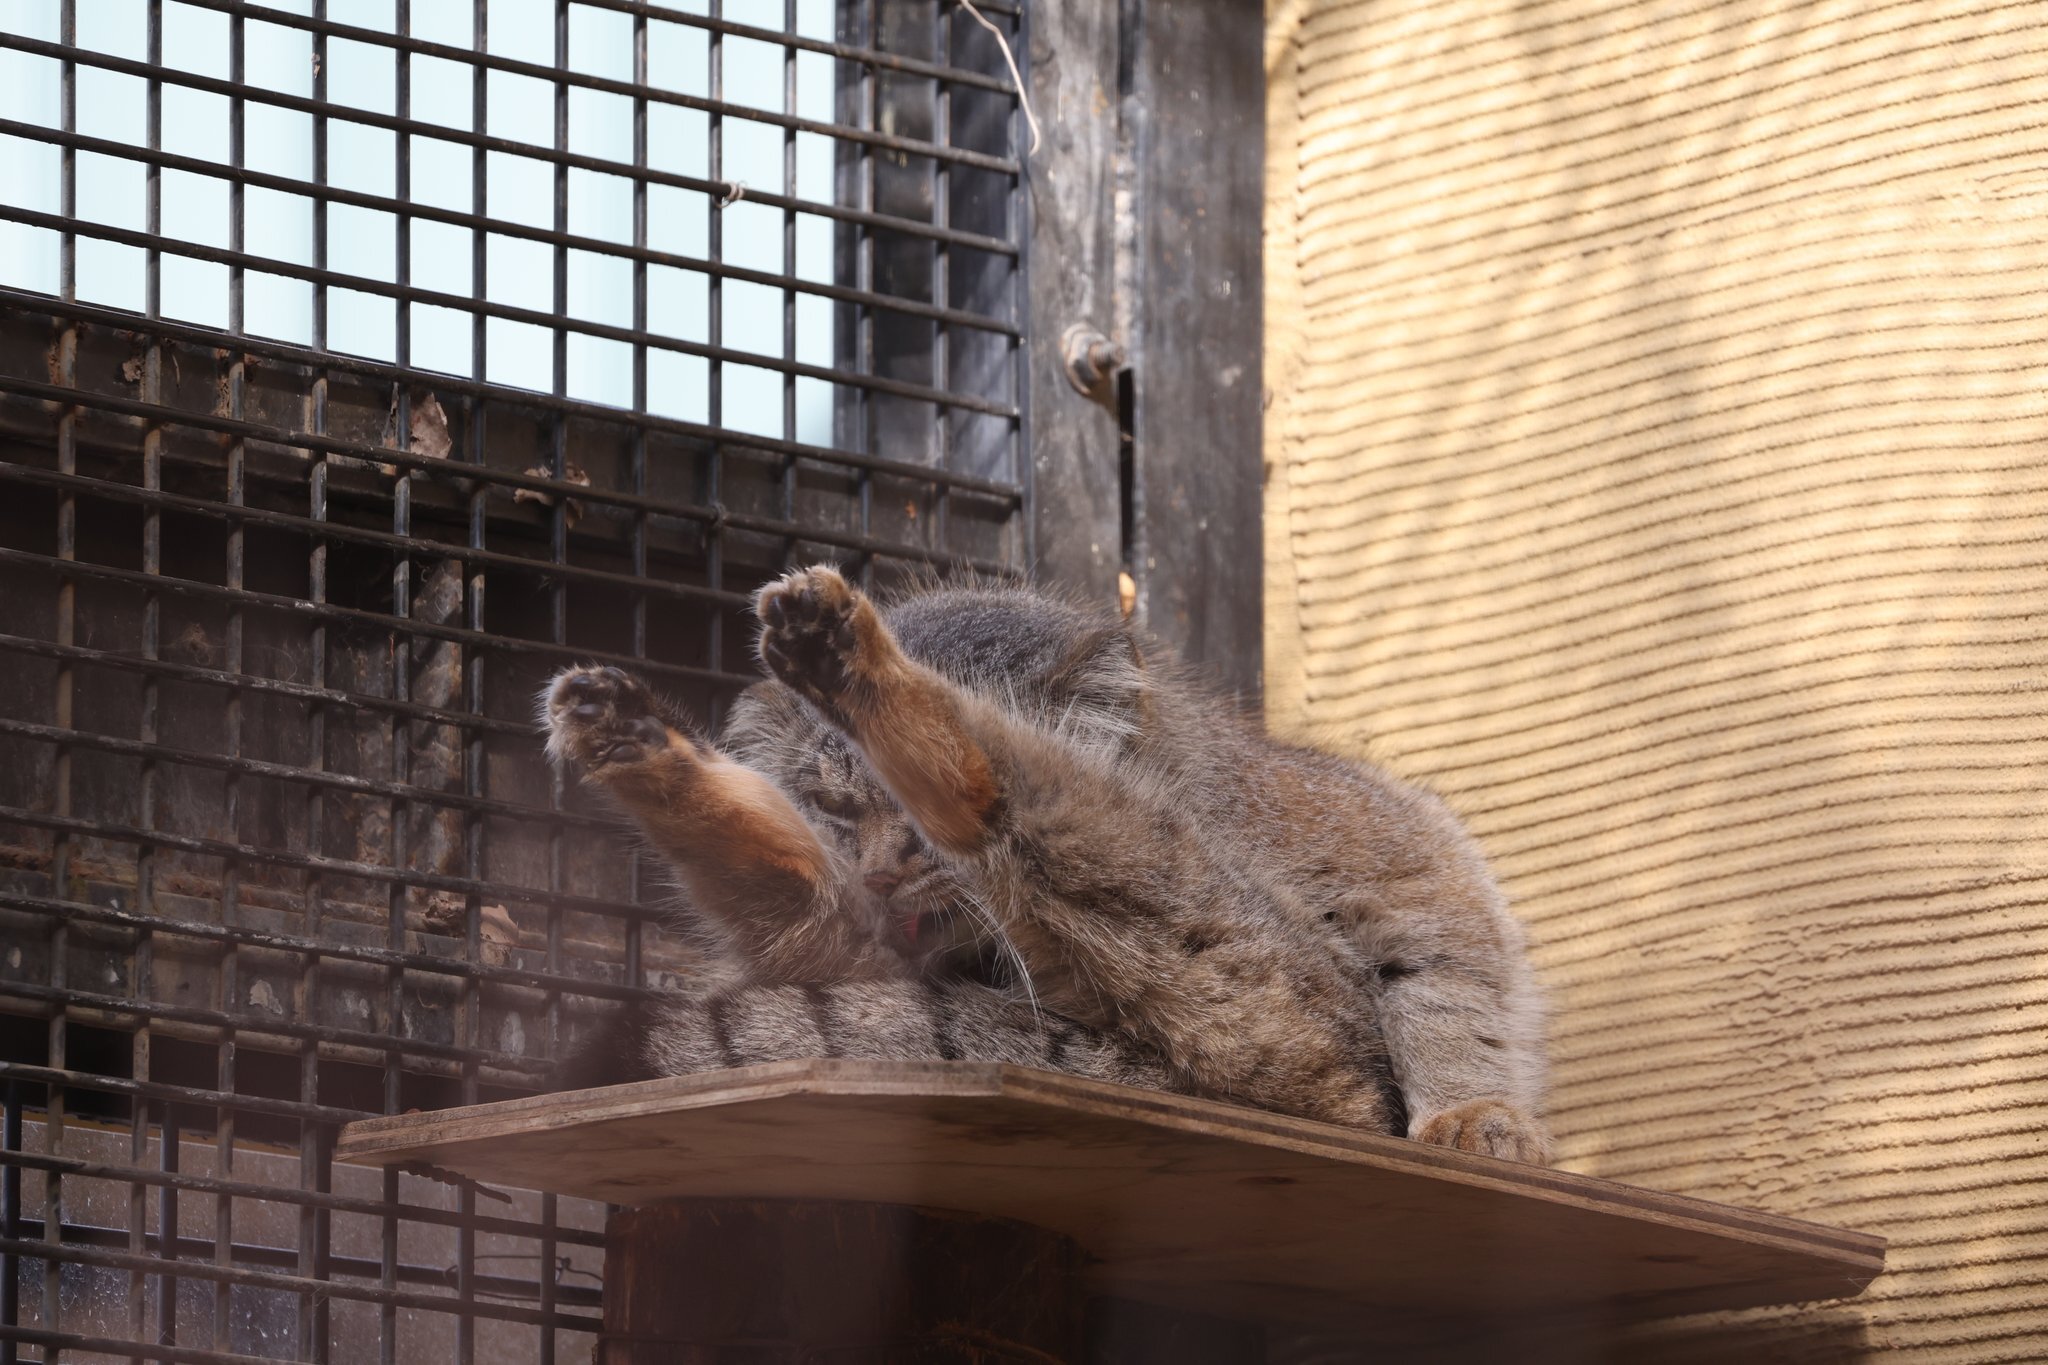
(1491, 1127)
(810, 630)
(602, 718)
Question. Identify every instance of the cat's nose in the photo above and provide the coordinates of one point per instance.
(882, 883)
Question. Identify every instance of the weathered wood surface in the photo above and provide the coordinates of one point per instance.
(1182, 1202)
(1069, 185)
(1193, 129)
(741, 1282)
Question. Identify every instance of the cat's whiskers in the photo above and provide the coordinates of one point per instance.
(987, 915)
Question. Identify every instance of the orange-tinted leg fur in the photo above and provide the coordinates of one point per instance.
(733, 837)
(827, 641)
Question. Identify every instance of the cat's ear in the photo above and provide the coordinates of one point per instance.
(764, 715)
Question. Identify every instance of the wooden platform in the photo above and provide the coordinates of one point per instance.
(1180, 1202)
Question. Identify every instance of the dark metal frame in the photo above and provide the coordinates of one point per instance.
(278, 848)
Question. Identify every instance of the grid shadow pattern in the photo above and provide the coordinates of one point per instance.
(302, 505)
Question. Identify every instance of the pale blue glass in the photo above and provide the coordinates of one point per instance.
(362, 75)
(600, 370)
(361, 242)
(601, 288)
(119, 28)
(678, 301)
(750, 400)
(750, 317)
(678, 385)
(196, 40)
(277, 57)
(601, 42)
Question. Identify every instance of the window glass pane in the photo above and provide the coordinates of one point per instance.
(114, 106)
(277, 306)
(195, 123)
(360, 157)
(753, 72)
(520, 354)
(750, 400)
(119, 28)
(362, 242)
(441, 91)
(600, 370)
(362, 75)
(678, 386)
(196, 40)
(31, 89)
(601, 42)
(362, 324)
(521, 108)
(750, 317)
(277, 141)
(440, 338)
(194, 291)
(278, 58)
(31, 257)
(195, 207)
(442, 257)
(111, 190)
(112, 274)
(601, 288)
(519, 272)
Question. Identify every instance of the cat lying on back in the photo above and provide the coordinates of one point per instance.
(988, 824)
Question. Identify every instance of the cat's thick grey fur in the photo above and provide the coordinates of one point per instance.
(994, 825)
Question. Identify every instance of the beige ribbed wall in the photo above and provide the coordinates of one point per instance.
(1660, 470)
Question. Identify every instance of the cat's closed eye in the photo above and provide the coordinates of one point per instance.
(838, 805)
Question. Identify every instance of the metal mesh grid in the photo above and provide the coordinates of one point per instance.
(281, 579)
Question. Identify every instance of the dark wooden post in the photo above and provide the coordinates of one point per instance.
(764, 1282)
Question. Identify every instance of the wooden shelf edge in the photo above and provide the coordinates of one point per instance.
(402, 1138)
(1178, 1202)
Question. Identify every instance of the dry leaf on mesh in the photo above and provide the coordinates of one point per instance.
(571, 472)
(448, 913)
(443, 913)
(498, 933)
(430, 428)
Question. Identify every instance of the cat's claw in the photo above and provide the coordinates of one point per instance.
(809, 634)
(1489, 1127)
(602, 718)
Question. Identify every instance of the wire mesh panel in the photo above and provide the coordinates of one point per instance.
(362, 362)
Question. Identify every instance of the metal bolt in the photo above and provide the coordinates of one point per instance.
(1088, 357)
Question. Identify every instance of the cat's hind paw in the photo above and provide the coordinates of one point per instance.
(1490, 1127)
(604, 719)
(813, 628)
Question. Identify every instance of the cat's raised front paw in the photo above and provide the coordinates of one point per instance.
(1490, 1127)
(810, 632)
(602, 718)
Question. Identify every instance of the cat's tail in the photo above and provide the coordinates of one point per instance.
(687, 1032)
(614, 1052)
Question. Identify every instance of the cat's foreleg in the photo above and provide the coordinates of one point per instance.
(744, 853)
(1125, 919)
(827, 641)
(1463, 1022)
(1462, 1046)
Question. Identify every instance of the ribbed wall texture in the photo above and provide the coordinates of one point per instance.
(1660, 471)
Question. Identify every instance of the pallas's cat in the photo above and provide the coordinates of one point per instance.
(986, 823)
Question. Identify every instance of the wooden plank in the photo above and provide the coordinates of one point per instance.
(1183, 1203)
(1194, 132)
(1076, 498)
